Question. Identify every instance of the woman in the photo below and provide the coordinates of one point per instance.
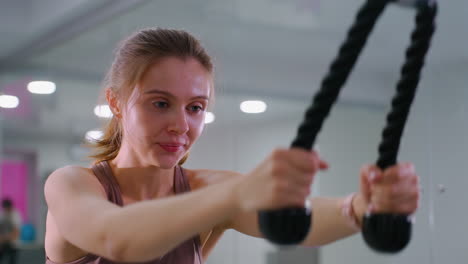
(136, 204)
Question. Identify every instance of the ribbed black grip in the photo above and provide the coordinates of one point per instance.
(287, 226)
(390, 232)
(283, 227)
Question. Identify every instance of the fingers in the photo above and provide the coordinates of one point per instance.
(296, 198)
(323, 165)
(398, 172)
(371, 173)
(368, 175)
(298, 165)
(399, 198)
(290, 194)
(287, 172)
(302, 160)
(308, 161)
(281, 180)
(291, 173)
(395, 190)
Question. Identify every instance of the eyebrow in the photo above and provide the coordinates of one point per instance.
(168, 94)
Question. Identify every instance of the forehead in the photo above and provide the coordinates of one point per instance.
(178, 76)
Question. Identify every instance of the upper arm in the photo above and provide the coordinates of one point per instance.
(79, 208)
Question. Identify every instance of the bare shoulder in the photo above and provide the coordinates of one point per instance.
(62, 191)
(202, 178)
(71, 172)
(75, 177)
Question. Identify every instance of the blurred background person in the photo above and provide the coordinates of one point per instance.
(10, 224)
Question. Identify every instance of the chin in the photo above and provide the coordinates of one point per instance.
(163, 160)
(166, 162)
(166, 165)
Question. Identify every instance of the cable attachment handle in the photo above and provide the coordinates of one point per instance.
(390, 233)
(382, 232)
(290, 226)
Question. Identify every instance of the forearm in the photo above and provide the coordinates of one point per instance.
(328, 222)
(149, 229)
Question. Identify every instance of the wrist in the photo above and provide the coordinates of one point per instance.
(352, 210)
(235, 196)
(360, 206)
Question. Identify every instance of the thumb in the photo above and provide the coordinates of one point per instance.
(366, 176)
(323, 165)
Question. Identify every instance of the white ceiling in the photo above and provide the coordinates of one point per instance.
(272, 49)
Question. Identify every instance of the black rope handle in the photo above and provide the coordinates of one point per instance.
(291, 225)
(392, 232)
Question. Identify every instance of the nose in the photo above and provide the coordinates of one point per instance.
(178, 123)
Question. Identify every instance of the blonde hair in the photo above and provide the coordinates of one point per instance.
(132, 59)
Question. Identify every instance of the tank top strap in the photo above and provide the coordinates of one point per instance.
(198, 250)
(103, 172)
(88, 259)
(181, 182)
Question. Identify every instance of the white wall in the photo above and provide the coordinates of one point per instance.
(443, 107)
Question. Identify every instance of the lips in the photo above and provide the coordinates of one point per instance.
(171, 147)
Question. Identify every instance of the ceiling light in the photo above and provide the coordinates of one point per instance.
(103, 111)
(94, 135)
(9, 101)
(253, 107)
(209, 117)
(41, 87)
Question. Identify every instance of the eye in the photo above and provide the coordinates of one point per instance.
(196, 108)
(160, 104)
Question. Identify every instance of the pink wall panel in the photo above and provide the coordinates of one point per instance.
(14, 184)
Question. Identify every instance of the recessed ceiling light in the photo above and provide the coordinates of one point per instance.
(103, 111)
(209, 117)
(41, 87)
(9, 101)
(253, 107)
(94, 135)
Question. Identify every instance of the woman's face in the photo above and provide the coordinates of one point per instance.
(165, 112)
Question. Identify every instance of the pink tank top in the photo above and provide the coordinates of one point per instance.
(189, 252)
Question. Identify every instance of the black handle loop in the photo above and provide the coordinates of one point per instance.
(291, 225)
(391, 233)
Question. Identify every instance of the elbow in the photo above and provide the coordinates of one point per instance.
(114, 244)
(115, 250)
(113, 239)
(125, 243)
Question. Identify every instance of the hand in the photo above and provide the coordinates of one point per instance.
(395, 190)
(282, 180)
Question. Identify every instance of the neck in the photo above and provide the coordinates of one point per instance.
(141, 181)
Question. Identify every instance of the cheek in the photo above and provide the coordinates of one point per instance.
(196, 128)
(138, 123)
